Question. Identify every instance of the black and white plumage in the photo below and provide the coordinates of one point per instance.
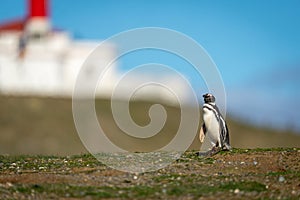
(214, 126)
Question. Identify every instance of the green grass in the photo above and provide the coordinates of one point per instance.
(24, 163)
(65, 190)
(243, 186)
(138, 191)
(289, 173)
(256, 150)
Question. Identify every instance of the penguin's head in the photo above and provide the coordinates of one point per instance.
(209, 98)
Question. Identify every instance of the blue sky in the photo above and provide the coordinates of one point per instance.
(255, 44)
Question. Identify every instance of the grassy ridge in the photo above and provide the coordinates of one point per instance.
(30, 125)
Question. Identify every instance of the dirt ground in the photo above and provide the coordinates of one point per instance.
(239, 174)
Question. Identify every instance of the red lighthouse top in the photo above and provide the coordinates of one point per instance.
(38, 8)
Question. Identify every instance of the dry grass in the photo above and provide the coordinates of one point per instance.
(30, 125)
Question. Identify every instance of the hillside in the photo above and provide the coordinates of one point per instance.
(30, 125)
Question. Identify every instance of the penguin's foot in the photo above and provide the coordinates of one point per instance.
(215, 150)
(226, 147)
(202, 154)
(209, 153)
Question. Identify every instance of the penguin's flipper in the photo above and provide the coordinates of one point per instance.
(202, 133)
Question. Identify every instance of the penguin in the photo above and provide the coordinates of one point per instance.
(214, 127)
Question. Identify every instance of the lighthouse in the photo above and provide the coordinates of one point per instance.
(40, 61)
(37, 60)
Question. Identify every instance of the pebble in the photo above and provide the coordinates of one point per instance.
(281, 179)
(9, 184)
(255, 162)
(236, 191)
(135, 177)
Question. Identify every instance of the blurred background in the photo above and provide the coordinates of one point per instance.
(255, 45)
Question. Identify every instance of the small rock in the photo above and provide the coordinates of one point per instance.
(267, 187)
(236, 191)
(255, 162)
(9, 184)
(135, 177)
(242, 163)
(281, 179)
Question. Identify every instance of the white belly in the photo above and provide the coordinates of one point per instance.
(212, 126)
